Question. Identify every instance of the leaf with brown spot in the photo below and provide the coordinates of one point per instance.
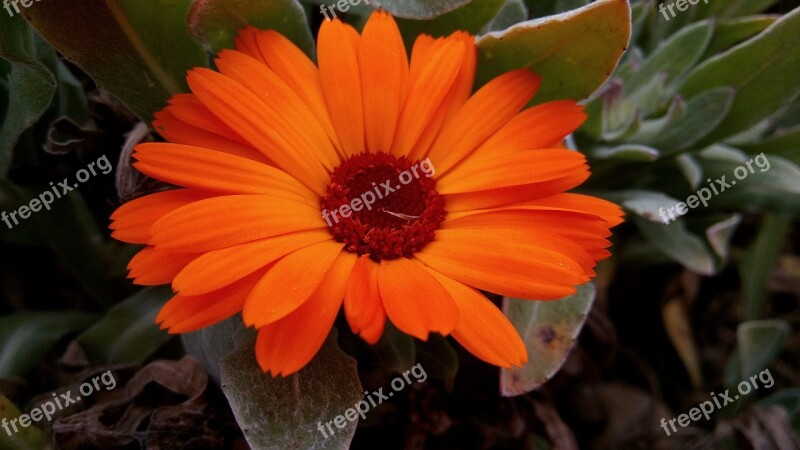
(549, 329)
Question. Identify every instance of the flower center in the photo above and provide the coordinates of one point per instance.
(383, 206)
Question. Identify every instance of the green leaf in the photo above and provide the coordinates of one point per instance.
(471, 18)
(540, 8)
(512, 12)
(70, 230)
(396, 350)
(763, 70)
(28, 438)
(789, 399)
(759, 343)
(704, 113)
(128, 332)
(420, 9)
(549, 329)
(211, 344)
(27, 337)
(627, 152)
(770, 186)
(674, 57)
(784, 142)
(719, 235)
(438, 358)
(755, 266)
(675, 241)
(646, 204)
(733, 31)
(281, 413)
(31, 85)
(573, 52)
(138, 51)
(691, 169)
(215, 23)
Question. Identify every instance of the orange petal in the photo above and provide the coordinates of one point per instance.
(131, 222)
(541, 126)
(260, 125)
(414, 301)
(372, 333)
(494, 198)
(515, 269)
(523, 235)
(362, 300)
(384, 79)
(184, 314)
(289, 283)
(189, 109)
(337, 52)
(585, 229)
(484, 171)
(215, 171)
(151, 267)
(604, 209)
(218, 268)
(180, 132)
(288, 345)
(482, 328)
(426, 94)
(297, 71)
(456, 97)
(300, 125)
(225, 221)
(482, 115)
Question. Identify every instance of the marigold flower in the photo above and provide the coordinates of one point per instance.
(369, 181)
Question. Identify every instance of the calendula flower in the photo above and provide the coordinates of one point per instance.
(367, 181)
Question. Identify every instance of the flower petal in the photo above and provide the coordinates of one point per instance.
(282, 290)
(493, 170)
(515, 269)
(426, 93)
(179, 132)
(482, 115)
(414, 301)
(131, 222)
(294, 68)
(298, 119)
(151, 267)
(218, 268)
(225, 221)
(286, 346)
(215, 171)
(541, 126)
(384, 79)
(260, 125)
(184, 314)
(482, 328)
(362, 300)
(337, 52)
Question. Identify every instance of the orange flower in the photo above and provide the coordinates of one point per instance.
(468, 194)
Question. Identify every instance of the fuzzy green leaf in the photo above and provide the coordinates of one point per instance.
(549, 329)
(215, 23)
(574, 52)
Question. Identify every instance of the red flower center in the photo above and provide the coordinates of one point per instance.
(383, 206)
